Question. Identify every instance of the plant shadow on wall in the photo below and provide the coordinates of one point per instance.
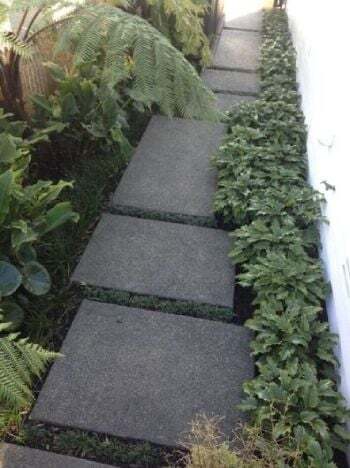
(112, 69)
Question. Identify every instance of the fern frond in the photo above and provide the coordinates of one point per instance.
(20, 361)
(11, 41)
(133, 48)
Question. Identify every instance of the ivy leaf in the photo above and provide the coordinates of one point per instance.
(36, 278)
(10, 278)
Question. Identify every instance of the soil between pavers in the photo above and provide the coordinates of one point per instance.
(145, 375)
(227, 81)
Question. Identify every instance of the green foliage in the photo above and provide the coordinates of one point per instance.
(129, 48)
(181, 21)
(263, 191)
(27, 213)
(82, 113)
(93, 446)
(19, 362)
(159, 304)
(133, 50)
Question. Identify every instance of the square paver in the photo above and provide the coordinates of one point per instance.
(226, 102)
(238, 50)
(158, 258)
(145, 375)
(170, 171)
(235, 82)
(14, 456)
(245, 20)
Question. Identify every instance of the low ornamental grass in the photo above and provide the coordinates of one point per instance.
(263, 192)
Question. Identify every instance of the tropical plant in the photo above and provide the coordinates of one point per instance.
(27, 213)
(20, 361)
(81, 115)
(181, 21)
(129, 47)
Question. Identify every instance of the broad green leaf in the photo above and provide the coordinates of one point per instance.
(56, 71)
(69, 107)
(8, 149)
(10, 278)
(58, 215)
(41, 102)
(26, 253)
(6, 181)
(22, 233)
(36, 278)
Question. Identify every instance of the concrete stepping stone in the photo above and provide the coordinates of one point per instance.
(170, 171)
(245, 20)
(14, 456)
(226, 102)
(158, 258)
(231, 81)
(237, 50)
(145, 375)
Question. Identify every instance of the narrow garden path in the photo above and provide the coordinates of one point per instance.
(134, 371)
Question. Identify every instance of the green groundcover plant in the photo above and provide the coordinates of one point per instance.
(263, 192)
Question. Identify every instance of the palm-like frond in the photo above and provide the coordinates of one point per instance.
(133, 48)
(20, 361)
(11, 41)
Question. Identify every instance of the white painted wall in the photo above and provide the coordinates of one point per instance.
(321, 35)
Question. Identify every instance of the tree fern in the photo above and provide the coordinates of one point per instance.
(182, 22)
(20, 361)
(132, 49)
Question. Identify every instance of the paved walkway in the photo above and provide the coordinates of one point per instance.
(144, 374)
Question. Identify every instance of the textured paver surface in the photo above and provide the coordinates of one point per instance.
(159, 258)
(226, 102)
(231, 81)
(145, 375)
(171, 171)
(245, 20)
(13, 456)
(237, 50)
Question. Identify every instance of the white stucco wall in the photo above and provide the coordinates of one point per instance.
(321, 35)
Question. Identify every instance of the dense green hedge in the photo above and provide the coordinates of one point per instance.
(263, 192)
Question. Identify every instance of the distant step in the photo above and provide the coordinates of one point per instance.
(170, 171)
(145, 375)
(250, 20)
(14, 456)
(237, 50)
(168, 260)
(234, 82)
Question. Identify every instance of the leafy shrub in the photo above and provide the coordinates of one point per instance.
(263, 191)
(81, 113)
(181, 21)
(27, 214)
